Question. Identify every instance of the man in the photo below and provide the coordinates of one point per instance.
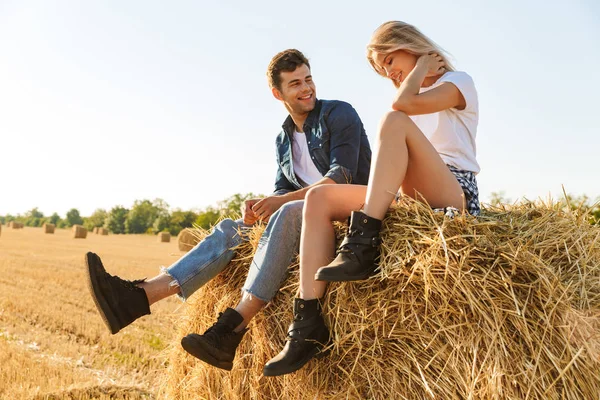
(322, 142)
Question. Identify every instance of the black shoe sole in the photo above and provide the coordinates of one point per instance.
(315, 353)
(110, 319)
(329, 277)
(190, 346)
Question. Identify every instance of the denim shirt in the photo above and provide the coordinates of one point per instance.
(337, 144)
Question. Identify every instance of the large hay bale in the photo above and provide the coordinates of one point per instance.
(102, 231)
(505, 306)
(164, 237)
(188, 238)
(79, 232)
(48, 228)
(96, 230)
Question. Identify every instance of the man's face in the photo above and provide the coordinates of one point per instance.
(298, 91)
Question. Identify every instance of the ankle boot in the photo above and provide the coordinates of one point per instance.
(218, 344)
(358, 255)
(120, 302)
(306, 338)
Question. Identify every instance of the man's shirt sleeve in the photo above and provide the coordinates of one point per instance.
(345, 129)
(282, 185)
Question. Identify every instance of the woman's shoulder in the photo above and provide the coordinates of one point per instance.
(456, 76)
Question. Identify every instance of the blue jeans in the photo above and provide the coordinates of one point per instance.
(277, 248)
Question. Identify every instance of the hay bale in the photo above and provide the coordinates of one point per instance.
(188, 238)
(96, 230)
(48, 228)
(102, 231)
(164, 237)
(499, 307)
(79, 232)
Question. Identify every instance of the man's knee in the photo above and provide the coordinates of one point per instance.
(290, 212)
(228, 229)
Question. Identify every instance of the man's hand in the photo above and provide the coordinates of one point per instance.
(248, 215)
(267, 206)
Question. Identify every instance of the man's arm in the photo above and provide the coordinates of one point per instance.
(345, 129)
(282, 184)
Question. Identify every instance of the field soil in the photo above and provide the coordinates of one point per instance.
(53, 343)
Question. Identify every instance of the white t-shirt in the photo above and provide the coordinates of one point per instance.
(452, 132)
(304, 167)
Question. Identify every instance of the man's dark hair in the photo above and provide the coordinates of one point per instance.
(287, 60)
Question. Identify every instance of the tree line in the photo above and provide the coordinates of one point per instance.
(144, 216)
(151, 217)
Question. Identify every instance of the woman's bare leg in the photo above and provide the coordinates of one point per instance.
(406, 159)
(323, 204)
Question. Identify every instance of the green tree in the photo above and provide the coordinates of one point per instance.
(115, 221)
(207, 218)
(54, 218)
(73, 217)
(161, 224)
(96, 220)
(181, 220)
(33, 217)
(142, 215)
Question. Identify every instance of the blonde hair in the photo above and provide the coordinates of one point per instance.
(398, 35)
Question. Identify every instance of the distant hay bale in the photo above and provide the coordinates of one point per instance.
(102, 231)
(164, 237)
(48, 228)
(96, 230)
(504, 306)
(79, 232)
(187, 239)
(15, 225)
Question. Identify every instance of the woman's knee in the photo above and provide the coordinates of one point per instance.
(392, 123)
(316, 200)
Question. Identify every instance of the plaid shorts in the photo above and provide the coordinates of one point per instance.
(468, 183)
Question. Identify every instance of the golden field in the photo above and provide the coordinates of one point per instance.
(53, 343)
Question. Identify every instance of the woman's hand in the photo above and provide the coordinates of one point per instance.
(433, 63)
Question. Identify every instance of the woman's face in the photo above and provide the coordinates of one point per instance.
(396, 65)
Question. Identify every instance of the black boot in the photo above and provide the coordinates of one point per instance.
(119, 302)
(307, 336)
(218, 344)
(358, 255)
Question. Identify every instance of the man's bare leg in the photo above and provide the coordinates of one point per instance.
(159, 287)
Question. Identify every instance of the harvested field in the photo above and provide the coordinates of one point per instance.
(53, 343)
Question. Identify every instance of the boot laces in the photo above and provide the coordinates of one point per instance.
(218, 331)
(129, 285)
(289, 337)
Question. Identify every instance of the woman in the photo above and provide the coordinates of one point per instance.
(426, 150)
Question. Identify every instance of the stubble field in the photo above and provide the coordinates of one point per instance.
(53, 343)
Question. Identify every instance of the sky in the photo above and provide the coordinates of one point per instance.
(103, 103)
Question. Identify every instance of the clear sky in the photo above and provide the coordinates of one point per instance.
(105, 102)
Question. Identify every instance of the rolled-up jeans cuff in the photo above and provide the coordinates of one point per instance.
(260, 296)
